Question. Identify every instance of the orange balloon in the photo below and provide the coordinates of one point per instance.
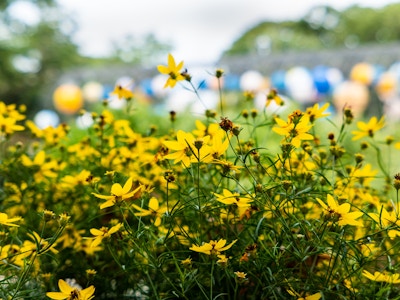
(351, 94)
(68, 99)
(387, 85)
(362, 73)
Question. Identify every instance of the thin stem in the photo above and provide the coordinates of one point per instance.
(220, 95)
(24, 275)
(211, 279)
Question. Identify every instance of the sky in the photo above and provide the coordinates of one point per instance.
(198, 30)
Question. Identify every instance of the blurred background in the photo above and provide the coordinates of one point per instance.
(58, 57)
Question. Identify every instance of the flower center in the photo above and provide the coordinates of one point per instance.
(74, 295)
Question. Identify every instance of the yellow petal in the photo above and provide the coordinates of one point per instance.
(106, 204)
(64, 287)
(127, 186)
(228, 246)
(157, 222)
(331, 202)
(179, 66)
(163, 69)
(322, 203)
(153, 204)
(115, 228)
(56, 295)
(116, 189)
(39, 158)
(88, 292)
(105, 197)
(96, 242)
(96, 232)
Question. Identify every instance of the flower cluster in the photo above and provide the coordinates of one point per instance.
(282, 205)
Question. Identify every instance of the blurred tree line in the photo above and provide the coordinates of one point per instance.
(322, 27)
(36, 47)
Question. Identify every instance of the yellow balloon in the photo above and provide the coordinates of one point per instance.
(363, 73)
(68, 99)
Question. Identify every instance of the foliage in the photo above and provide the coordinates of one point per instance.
(322, 27)
(256, 206)
(143, 51)
(33, 53)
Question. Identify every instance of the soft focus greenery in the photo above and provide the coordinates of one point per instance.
(322, 28)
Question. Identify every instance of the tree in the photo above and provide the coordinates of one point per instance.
(33, 51)
(145, 50)
(323, 27)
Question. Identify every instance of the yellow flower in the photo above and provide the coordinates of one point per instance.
(294, 131)
(4, 220)
(11, 111)
(382, 277)
(240, 275)
(227, 166)
(363, 175)
(222, 261)
(340, 213)
(213, 247)
(51, 135)
(242, 203)
(213, 130)
(122, 93)
(118, 194)
(43, 167)
(71, 293)
(300, 296)
(154, 209)
(218, 147)
(83, 178)
(102, 233)
(230, 198)
(316, 112)
(8, 126)
(387, 220)
(274, 96)
(186, 150)
(172, 70)
(37, 245)
(63, 219)
(187, 263)
(368, 129)
(315, 296)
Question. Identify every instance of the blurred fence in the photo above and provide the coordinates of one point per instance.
(343, 59)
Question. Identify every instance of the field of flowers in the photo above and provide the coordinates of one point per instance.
(241, 204)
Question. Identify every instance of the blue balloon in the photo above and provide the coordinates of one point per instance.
(147, 87)
(378, 71)
(231, 82)
(107, 90)
(278, 80)
(320, 78)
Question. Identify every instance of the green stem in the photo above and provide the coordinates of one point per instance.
(197, 95)
(211, 279)
(380, 163)
(152, 285)
(24, 275)
(220, 96)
